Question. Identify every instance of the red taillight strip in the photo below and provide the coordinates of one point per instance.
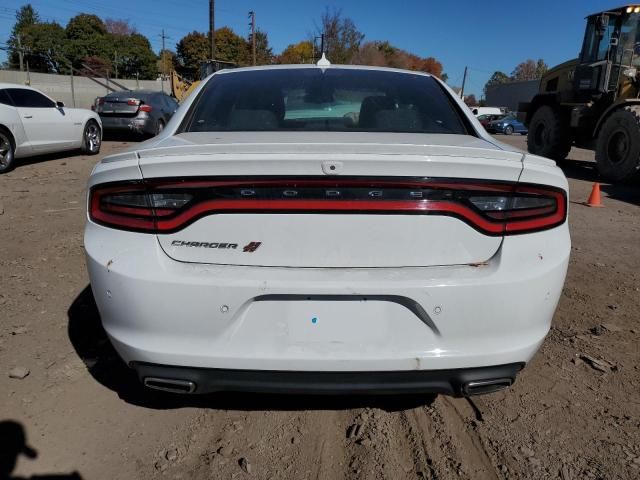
(329, 206)
(167, 220)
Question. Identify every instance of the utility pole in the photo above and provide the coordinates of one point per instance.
(212, 38)
(252, 16)
(20, 53)
(163, 59)
(322, 44)
(115, 62)
(464, 80)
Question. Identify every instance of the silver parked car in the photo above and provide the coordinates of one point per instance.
(145, 112)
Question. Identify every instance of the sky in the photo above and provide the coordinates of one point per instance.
(484, 35)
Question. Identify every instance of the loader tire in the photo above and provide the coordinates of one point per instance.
(549, 134)
(618, 145)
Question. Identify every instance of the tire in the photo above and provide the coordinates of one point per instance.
(508, 130)
(548, 134)
(91, 138)
(618, 145)
(7, 151)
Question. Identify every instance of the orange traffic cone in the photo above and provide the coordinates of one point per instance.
(594, 198)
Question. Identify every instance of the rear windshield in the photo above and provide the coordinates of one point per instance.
(333, 99)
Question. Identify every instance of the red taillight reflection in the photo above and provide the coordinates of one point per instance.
(145, 108)
(164, 206)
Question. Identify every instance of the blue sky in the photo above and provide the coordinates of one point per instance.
(485, 35)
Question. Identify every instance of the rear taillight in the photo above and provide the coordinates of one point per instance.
(169, 205)
(145, 108)
(133, 102)
(101, 101)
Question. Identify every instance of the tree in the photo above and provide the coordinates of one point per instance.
(470, 100)
(497, 78)
(370, 53)
(192, 50)
(231, 47)
(25, 17)
(264, 54)
(529, 70)
(166, 61)
(342, 38)
(386, 55)
(46, 43)
(301, 52)
(119, 27)
(87, 37)
(134, 56)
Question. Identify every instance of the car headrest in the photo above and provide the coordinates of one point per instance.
(370, 107)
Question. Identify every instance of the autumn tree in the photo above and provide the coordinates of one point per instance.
(119, 27)
(26, 16)
(470, 100)
(529, 70)
(342, 38)
(301, 52)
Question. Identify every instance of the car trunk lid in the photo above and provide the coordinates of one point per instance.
(314, 201)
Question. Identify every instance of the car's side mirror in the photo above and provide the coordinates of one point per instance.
(60, 104)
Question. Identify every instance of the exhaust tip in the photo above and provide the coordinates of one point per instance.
(486, 386)
(170, 385)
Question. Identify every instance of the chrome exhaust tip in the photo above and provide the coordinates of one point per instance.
(170, 385)
(486, 386)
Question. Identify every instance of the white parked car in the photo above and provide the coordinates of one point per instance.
(31, 123)
(326, 229)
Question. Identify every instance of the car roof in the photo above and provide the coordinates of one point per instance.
(230, 71)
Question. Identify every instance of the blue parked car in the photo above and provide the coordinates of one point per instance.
(507, 125)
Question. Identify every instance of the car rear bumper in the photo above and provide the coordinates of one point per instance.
(130, 124)
(163, 312)
(456, 382)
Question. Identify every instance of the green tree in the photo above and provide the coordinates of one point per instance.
(301, 52)
(25, 17)
(133, 55)
(231, 47)
(46, 43)
(191, 50)
(470, 100)
(264, 54)
(342, 38)
(497, 78)
(86, 37)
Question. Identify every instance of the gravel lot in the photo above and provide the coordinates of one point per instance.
(573, 414)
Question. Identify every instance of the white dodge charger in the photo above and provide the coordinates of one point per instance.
(326, 229)
(31, 123)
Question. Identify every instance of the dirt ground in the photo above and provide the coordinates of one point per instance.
(573, 414)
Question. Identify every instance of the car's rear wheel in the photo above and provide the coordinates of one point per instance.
(91, 138)
(7, 151)
(508, 130)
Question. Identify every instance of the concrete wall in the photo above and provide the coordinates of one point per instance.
(58, 87)
(510, 94)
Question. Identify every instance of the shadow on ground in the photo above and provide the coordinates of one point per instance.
(93, 347)
(14, 445)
